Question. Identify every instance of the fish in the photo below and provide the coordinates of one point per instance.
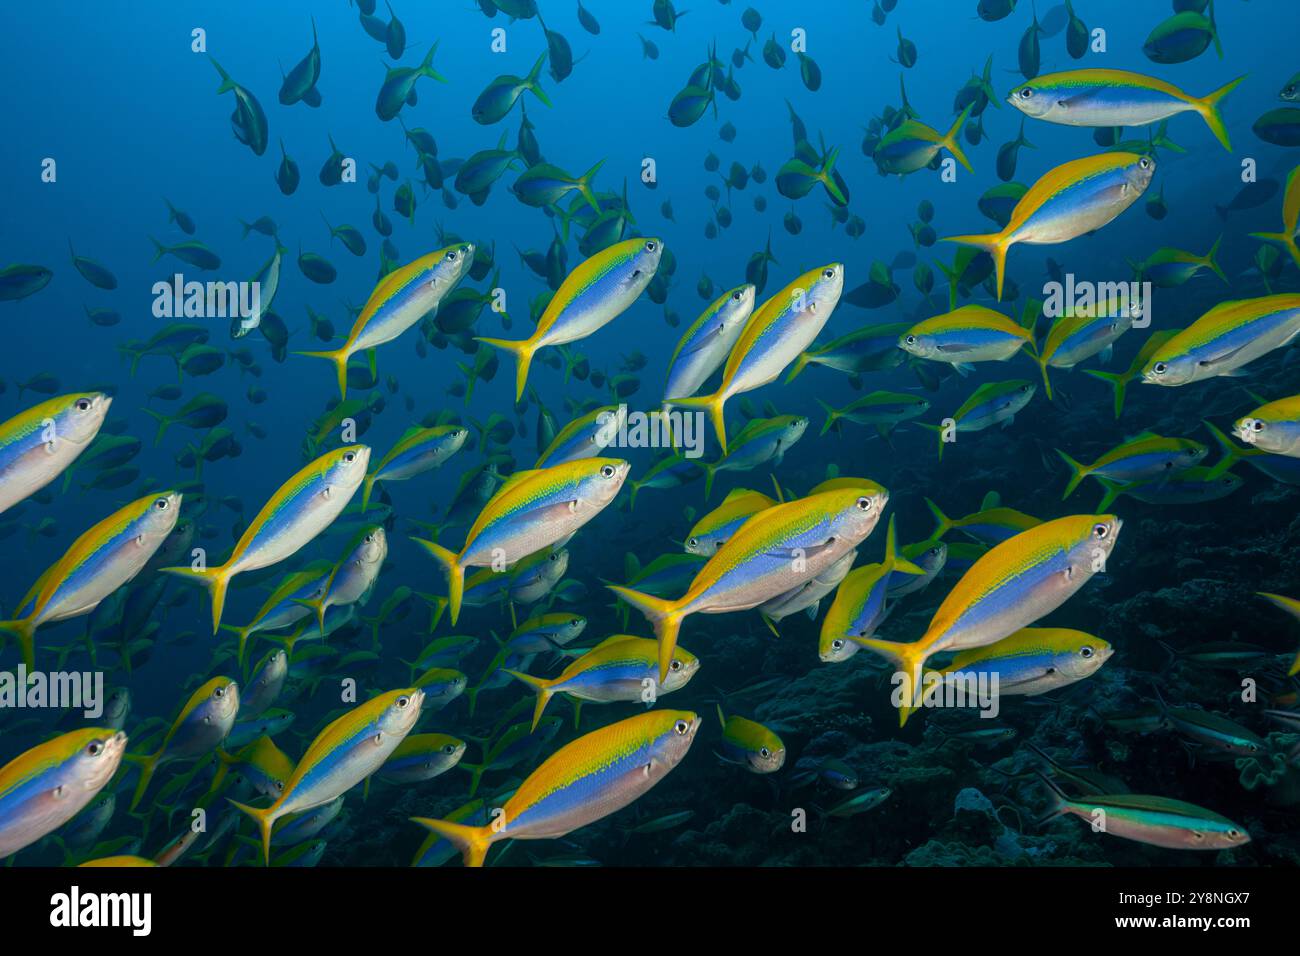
(353, 578)
(400, 300)
(1273, 427)
(1105, 98)
(1073, 199)
(100, 561)
(499, 96)
(203, 723)
(398, 87)
(1143, 458)
(712, 531)
(775, 335)
(912, 146)
(1032, 661)
(40, 443)
(345, 753)
(1158, 821)
(1011, 586)
(972, 333)
(300, 509)
(750, 744)
(620, 668)
(45, 787)
(417, 451)
(860, 604)
(776, 550)
(1225, 338)
(282, 608)
(597, 291)
(582, 782)
(708, 341)
(530, 511)
(1290, 218)
(248, 121)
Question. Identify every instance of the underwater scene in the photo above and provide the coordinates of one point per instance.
(542, 433)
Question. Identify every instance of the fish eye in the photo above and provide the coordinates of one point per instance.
(95, 748)
(681, 727)
(736, 296)
(1024, 388)
(837, 644)
(651, 246)
(1257, 425)
(451, 256)
(864, 504)
(554, 557)
(161, 504)
(349, 457)
(1026, 93)
(1160, 368)
(1100, 531)
(83, 404)
(1234, 833)
(829, 273)
(1144, 163)
(607, 471)
(449, 749)
(219, 692)
(403, 701)
(1085, 652)
(764, 752)
(676, 665)
(910, 340)
(693, 542)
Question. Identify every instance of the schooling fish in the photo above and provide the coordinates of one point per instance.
(47, 786)
(584, 437)
(354, 577)
(619, 668)
(531, 511)
(1273, 427)
(775, 335)
(417, 451)
(1032, 661)
(1221, 341)
(38, 444)
(993, 403)
(201, 726)
(708, 341)
(715, 528)
(859, 606)
(302, 508)
(346, 752)
(401, 299)
(1069, 201)
(750, 744)
(774, 551)
(283, 607)
(582, 782)
(596, 292)
(972, 333)
(1290, 218)
(1108, 98)
(1144, 458)
(1014, 584)
(98, 563)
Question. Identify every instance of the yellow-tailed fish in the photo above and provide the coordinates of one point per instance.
(284, 607)
(401, 299)
(1069, 201)
(530, 511)
(972, 333)
(302, 508)
(1107, 98)
(1290, 218)
(1032, 661)
(707, 343)
(417, 451)
(1292, 607)
(621, 667)
(1274, 427)
(1230, 335)
(582, 782)
(1012, 585)
(345, 753)
(38, 444)
(596, 292)
(712, 531)
(860, 604)
(354, 577)
(201, 726)
(98, 563)
(776, 550)
(775, 335)
(47, 786)
(750, 744)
